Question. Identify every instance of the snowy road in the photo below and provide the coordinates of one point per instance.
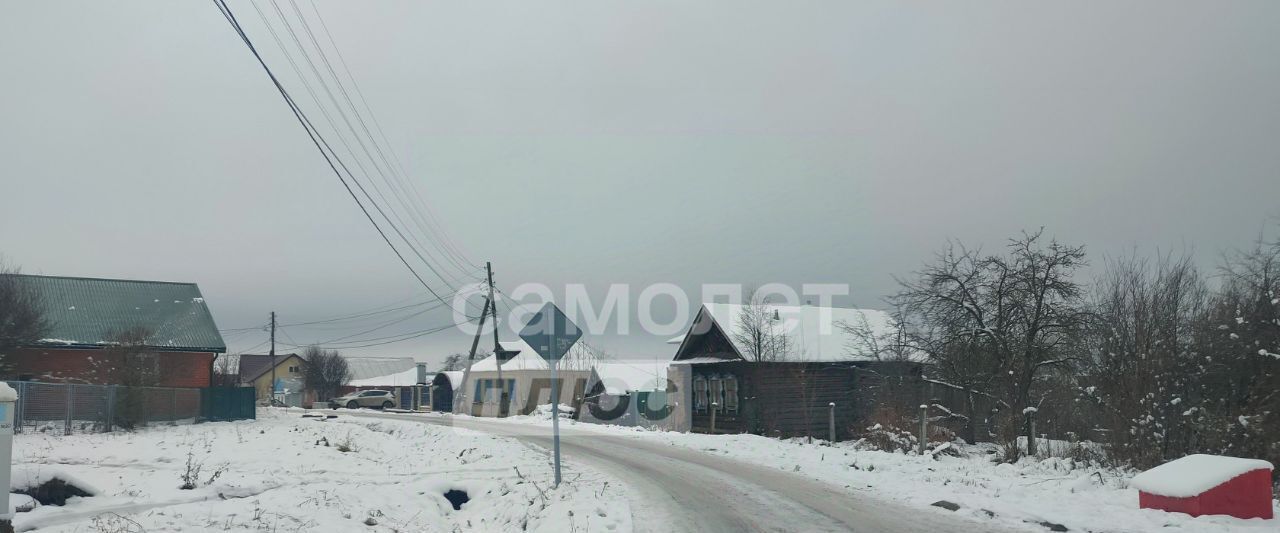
(679, 489)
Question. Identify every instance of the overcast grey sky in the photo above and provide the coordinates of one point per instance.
(607, 142)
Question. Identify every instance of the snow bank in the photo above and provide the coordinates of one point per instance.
(1194, 474)
(7, 394)
(26, 477)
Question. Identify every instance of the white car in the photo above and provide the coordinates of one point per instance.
(365, 398)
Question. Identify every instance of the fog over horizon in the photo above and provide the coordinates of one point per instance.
(618, 143)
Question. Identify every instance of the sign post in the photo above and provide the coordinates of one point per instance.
(555, 417)
(8, 398)
(551, 333)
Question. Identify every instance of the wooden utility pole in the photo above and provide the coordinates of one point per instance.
(497, 348)
(271, 396)
(461, 399)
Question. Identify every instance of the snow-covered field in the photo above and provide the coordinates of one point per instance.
(1077, 495)
(283, 472)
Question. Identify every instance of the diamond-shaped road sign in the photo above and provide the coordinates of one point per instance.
(550, 333)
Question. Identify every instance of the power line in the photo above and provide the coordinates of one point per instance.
(442, 236)
(445, 277)
(329, 119)
(383, 340)
(254, 347)
(398, 181)
(322, 145)
(258, 327)
(378, 327)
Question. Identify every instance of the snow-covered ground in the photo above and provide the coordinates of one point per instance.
(277, 474)
(1074, 494)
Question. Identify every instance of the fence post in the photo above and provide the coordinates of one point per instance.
(173, 405)
(831, 422)
(924, 427)
(111, 407)
(67, 408)
(18, 417)
(1031, 437)
(714, 407)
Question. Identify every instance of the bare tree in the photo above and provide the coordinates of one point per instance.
(1178, 367)
(1242, 348)
(761, 331)
(889, 343)
(225, 371)
(582, 356)
(456, 361)
(22, 319)
(324, 371)
(1143, 371)
(129, 361)
(999, 324)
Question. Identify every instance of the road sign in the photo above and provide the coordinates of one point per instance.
(550, 333)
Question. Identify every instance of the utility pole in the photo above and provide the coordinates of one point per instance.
(497, 348)
(272, 395)
(460, 399)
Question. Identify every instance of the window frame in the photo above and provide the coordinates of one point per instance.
(730, 396)
(715, 390)
(700, 402)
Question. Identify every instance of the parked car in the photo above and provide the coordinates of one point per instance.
(365, 398)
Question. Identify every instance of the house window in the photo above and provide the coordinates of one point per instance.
(717, 393)
(293, 370)
(511, 389)
(731, 394)
(700, 394)
(487, 390)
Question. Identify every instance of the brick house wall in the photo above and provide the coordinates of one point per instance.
(177, 369)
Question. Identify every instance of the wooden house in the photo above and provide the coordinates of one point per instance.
(792, 392)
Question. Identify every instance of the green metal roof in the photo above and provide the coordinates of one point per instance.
(90, 311)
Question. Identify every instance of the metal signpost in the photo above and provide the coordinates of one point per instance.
(551, 334)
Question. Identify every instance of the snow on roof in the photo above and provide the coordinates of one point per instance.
(400, 379)
(1194, 474)
(579, 357)
(524, 360)
(454, 377)
(621, 377)
(363, 368)
(700, 360)
(819, 334)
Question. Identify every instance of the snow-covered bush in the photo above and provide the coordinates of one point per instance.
(886, 432)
